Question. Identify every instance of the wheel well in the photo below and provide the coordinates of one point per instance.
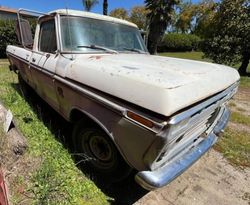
(76, 115)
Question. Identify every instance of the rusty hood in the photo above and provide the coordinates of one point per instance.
(161, 84)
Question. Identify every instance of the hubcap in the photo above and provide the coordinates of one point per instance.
(100, 148)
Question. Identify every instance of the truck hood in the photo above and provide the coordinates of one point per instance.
(161, 84)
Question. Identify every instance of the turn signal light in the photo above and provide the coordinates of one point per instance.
(140, 119)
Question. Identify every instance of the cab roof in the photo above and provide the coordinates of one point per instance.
(91, 15)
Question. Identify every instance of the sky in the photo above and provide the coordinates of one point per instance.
(49, 5)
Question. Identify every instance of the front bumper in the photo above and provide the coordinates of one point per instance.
(167, 173)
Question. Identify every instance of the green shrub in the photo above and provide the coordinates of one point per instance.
(179, 42)
(7, 35)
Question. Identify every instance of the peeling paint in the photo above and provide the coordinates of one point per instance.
(95, 57)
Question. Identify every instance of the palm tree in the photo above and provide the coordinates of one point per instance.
(159, 16)
(89, 4)
(105, 7)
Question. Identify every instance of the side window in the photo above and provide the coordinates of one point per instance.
(47, 37)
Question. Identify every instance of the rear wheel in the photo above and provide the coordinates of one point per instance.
(98, 152)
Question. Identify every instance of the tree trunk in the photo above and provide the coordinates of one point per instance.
(245, 61)
(156, 32)
(105, 7)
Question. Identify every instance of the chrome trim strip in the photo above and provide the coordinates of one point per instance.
(167, 173)
(222, 122)
(186, 114)
(90, 94)
(15, 56)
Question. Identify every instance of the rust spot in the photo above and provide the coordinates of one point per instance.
(95, 57)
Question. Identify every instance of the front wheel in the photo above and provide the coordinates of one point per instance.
(98, 152)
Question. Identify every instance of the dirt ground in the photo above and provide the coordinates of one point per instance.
(212, 180)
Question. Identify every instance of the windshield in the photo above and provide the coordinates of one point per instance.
(91, 35)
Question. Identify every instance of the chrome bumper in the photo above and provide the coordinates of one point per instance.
(164, 175)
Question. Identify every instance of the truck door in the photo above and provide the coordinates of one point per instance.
(43, 62)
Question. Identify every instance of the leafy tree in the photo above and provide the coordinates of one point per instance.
(138, 15)
(160, 13)
(89, 4)
(228, 36)
(120, 13)
(186, 17)
(7, 35)
(204, 15)
(105, 7)
(195, 18)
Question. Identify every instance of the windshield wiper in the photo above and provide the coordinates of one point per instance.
(133, 49)
(98, 48)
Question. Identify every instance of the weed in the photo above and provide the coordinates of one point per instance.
(240, 109)
(237, 117)
(245, 81)
(232, 104)
(46, 188)
(235, 146)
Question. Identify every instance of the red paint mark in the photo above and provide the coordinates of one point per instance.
(3, 192)
(95, 57)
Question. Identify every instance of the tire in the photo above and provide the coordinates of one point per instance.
(98, 153)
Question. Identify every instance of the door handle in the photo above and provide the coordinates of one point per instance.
(33, 60)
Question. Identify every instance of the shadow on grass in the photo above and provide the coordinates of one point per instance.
(125, 192)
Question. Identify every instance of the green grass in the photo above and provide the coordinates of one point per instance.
(240, 118)
(245, 82)
(4, 60)
(235, 146)
(186, 55)
(57, 180)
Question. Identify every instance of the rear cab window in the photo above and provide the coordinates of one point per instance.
(47, 37)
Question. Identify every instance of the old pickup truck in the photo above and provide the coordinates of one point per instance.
(131, 110)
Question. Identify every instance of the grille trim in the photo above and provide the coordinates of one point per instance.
(197, 125)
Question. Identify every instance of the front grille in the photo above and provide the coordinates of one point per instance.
(185, 137)
(196, 128)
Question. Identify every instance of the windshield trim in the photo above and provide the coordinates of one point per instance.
(100, 52)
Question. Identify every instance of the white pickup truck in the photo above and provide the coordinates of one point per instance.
(131, 110)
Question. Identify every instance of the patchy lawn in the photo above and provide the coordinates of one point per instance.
(235, 143)
(46, 173)
(195, 55)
